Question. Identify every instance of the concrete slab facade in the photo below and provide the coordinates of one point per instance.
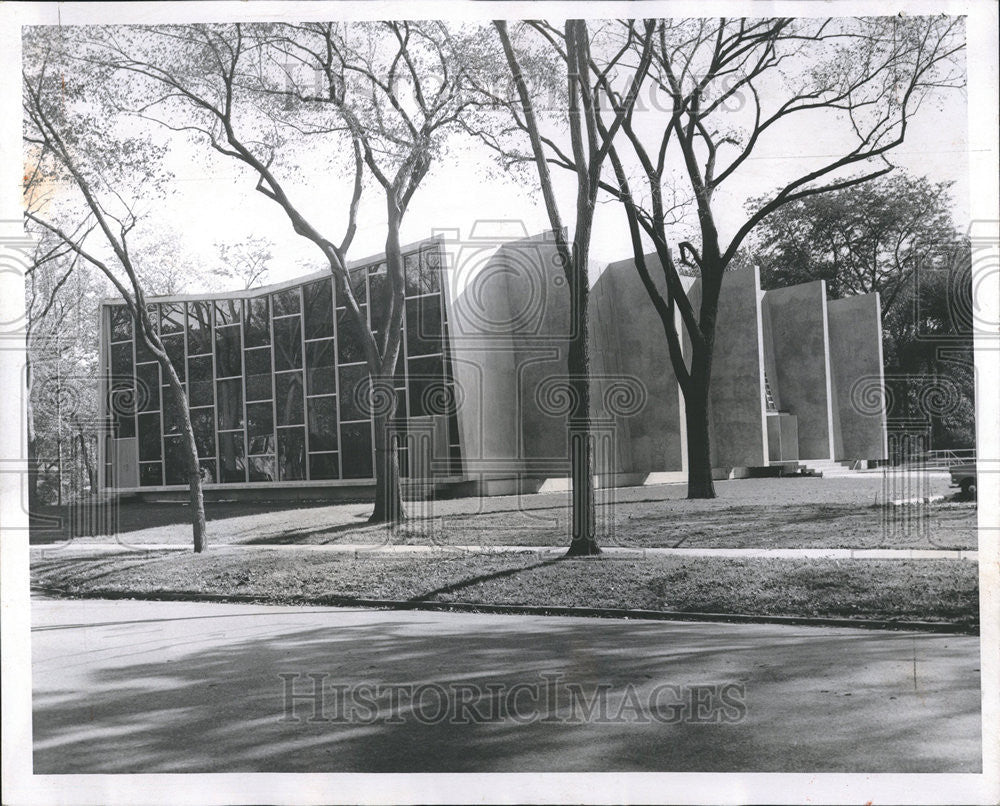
(799, 343)
(858, 377)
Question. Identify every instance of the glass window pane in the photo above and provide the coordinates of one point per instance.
(377, 281)
(257, 326)
(150, 474)
(318, 301)
(262, 468)
(149, 437)
(358, 276)
(204, 431)
(121, 359)
(229, 403)
(228, 311)
(207, 467)
(291, 454)
(148, 386)
(356, 449)
(425, 379)
(258, 369)
(350, 345)
(430, 271)
(287, 343)
(354, 404)
(260, 420)
(323, 424)
(172, 318)
(423, 325)
(174, 461)
(286, 301)
(121, 323)
(171, 412)
(411, 271)
(174, 345)
(232, 462)
(320, 378)
(288, 397)
(227, 352)
(199, 329)
(323, 466)
(200, 381)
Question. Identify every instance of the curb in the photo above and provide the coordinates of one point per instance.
(523, 610)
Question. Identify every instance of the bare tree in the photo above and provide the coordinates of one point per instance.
(383, 91)
(591, 140)
(246, 261)
(871, 74)
(60, 142)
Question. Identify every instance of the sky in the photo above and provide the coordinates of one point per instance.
(214, 200)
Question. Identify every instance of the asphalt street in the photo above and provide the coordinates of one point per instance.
(136, 686)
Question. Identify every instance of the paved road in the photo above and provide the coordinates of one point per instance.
(185, 687)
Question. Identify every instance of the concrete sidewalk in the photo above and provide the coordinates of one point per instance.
(366, 549)
(153, 687)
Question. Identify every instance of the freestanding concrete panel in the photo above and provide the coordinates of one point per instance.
(628, 341)
(855, 331)
(800, 348)
(738, 428)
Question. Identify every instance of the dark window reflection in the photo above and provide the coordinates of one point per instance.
(232, 463)
(207, 467)
(428, 392)
(350, 343)
(229, 402)
(228, 311)
(286, 302)
(174, 461)
(227, 352)
(149, 437)
(320, 378)
(257, 327)
(204, 431)
(150, 474)
(423, 325)
(260, 427)
(287, 343)
(121, 359)
(288, 397)
(318, 301)
(291, 454)
(200, 381)
(323, 466)
(262, 468)
(172, 318)
(258, 369)
(323, 424)
(356, 449)
(378, 280)
(354, 402)
(430, 271)
(199, 329)
(174, 345)
(148, 387)
(121, 323)
(358, 285)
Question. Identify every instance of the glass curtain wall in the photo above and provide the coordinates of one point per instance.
(277, 380)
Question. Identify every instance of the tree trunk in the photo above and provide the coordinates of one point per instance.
(88, 460)
(584, 534)
(196, 498)
(388, 499)
(699, 454)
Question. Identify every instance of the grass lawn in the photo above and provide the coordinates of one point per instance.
(936, 590)
(750, 513)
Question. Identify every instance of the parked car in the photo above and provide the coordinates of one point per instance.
(963, 476)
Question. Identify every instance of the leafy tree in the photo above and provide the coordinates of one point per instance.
(245, 262)
(65, 145)
(894, 236)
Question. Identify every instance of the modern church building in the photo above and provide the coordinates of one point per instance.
(278, 387)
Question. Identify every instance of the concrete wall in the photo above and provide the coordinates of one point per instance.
(627, 329)
(855, 330)
(800, 345)
(739, 433)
